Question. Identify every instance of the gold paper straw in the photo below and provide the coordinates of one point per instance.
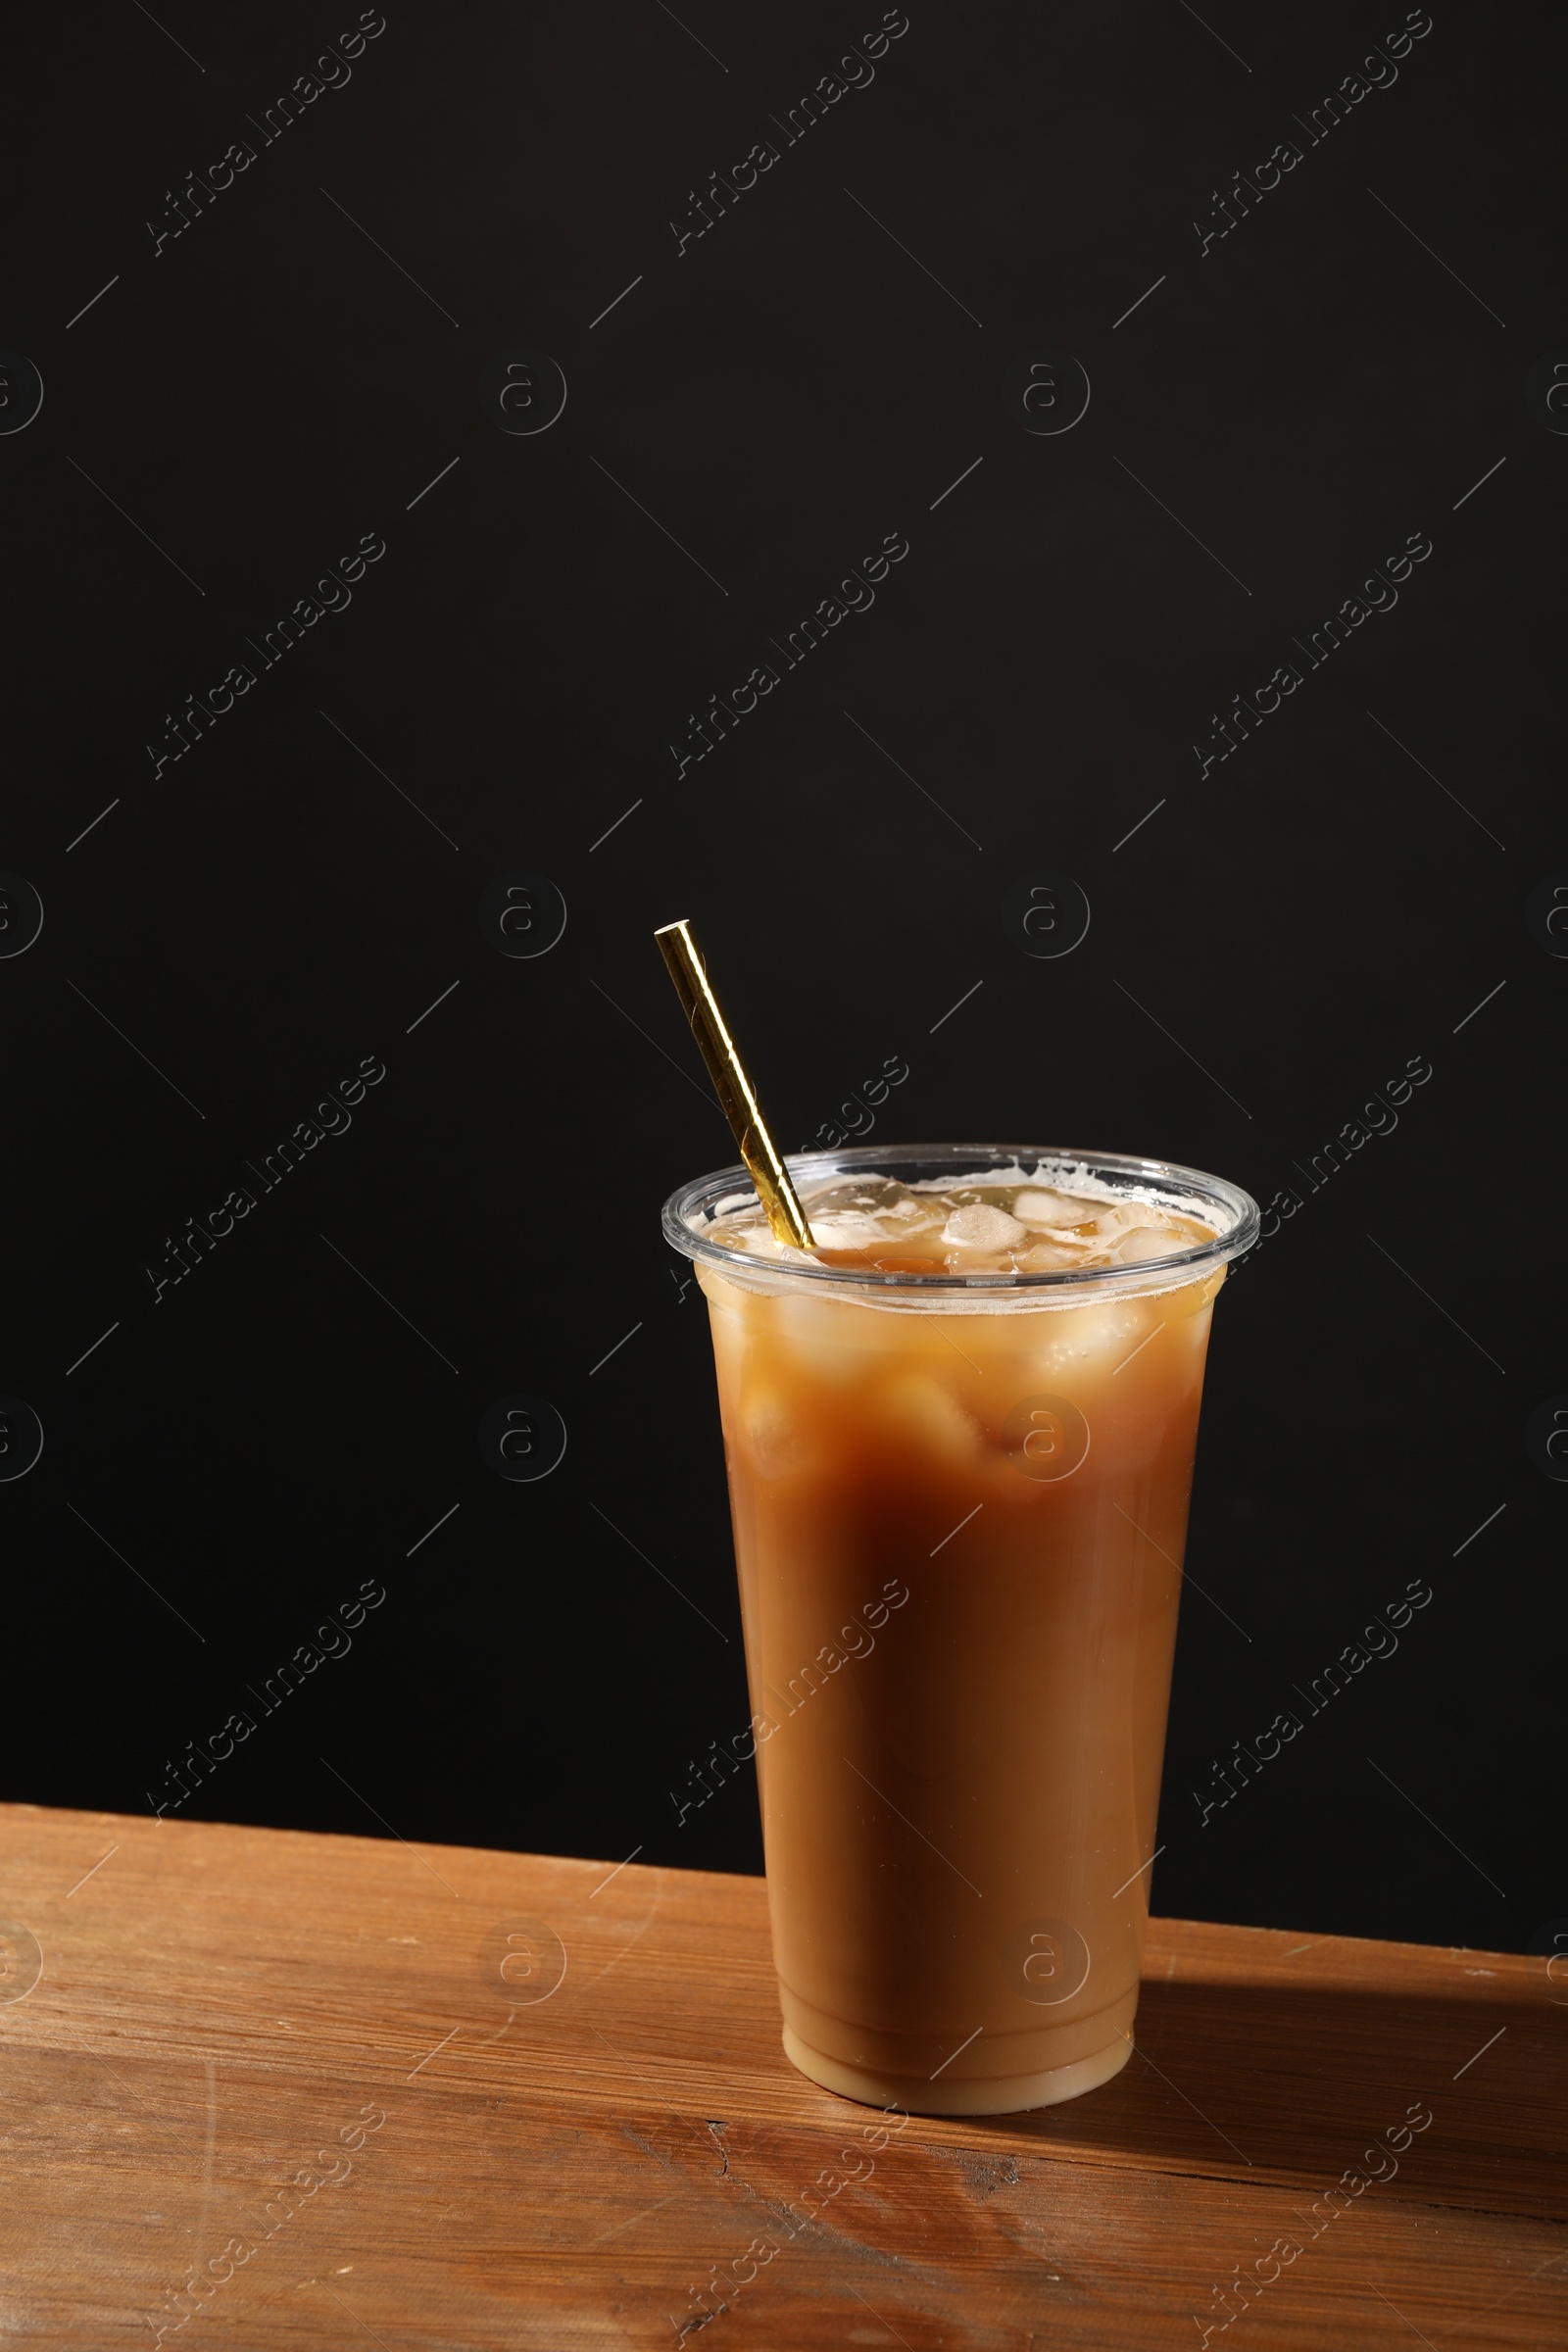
(732, 1085)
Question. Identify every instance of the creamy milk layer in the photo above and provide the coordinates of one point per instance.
(997, 1225)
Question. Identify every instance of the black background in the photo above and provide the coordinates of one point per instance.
(1276, 941)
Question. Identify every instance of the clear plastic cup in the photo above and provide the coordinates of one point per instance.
(959, 1507)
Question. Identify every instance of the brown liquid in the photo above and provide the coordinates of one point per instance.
(959, 1537)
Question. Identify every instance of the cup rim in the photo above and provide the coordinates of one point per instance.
(1214, 1199)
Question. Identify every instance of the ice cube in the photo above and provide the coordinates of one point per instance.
(1091, 1337)
(930, 1420)
(1144, 1241)
(910, 1215)
(850, 1229)
(1127, 1214)
(1052, 1209)
(981, 1227)
(826, 1337)
(1042, 1257)
(777, 1434)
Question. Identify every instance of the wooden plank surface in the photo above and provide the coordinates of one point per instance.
(273, 2090)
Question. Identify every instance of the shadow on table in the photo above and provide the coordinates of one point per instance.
(1232, 2078)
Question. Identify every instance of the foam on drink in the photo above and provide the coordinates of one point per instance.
(1002, 1225)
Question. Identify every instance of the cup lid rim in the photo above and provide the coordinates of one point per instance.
(1213, 1200)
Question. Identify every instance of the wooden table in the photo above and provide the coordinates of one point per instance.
(340, 2077)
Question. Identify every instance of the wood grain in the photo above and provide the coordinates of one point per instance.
(222, 2012)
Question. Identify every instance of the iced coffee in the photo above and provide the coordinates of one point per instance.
(960, 1437)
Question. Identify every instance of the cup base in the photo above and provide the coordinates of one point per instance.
(1002, 2094)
